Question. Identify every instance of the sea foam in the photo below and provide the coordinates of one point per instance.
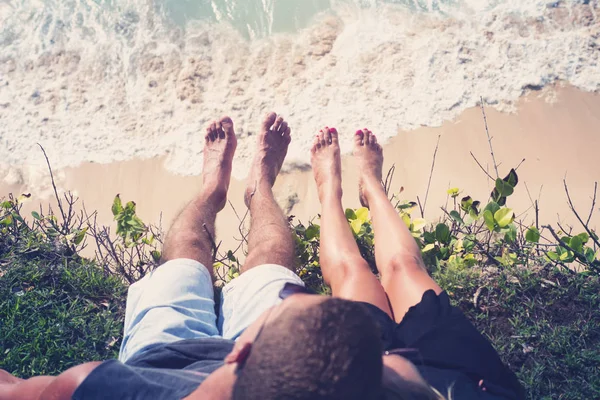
(98, 84)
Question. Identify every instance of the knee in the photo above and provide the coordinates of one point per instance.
(346, 269)
(399, 265)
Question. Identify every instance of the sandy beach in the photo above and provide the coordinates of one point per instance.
(557, 132)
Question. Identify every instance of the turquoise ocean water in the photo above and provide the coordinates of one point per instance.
(114, 80)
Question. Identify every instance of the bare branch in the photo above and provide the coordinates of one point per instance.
(593, 204)
(481, 166)
(62, 212)
(388, 180)
(489, 138)
(430, 176)
(585, 226)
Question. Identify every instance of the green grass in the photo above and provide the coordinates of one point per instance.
(545, 325)
(57, 315)
(58, 310)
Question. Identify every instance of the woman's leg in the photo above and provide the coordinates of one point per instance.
(343, 267)
(398, 256)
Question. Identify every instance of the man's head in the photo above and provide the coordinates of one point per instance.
(311, 347)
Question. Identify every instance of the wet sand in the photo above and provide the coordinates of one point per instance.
(557, 139)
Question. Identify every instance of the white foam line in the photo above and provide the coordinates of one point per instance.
(108, 85)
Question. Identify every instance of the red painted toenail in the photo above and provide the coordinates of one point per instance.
(333, 130)
(359, 132)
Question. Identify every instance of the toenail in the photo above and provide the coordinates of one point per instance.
(333, 130)
(359, 132)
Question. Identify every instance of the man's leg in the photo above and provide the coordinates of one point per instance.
(398, 256)
(343, 267)
(190, 234)
(176, 301)
(270, 239)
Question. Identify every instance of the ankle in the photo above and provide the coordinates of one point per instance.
(328, 196)
(373, 190)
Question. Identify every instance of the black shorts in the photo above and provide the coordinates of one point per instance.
(447, 349)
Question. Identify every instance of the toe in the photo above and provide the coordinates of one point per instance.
(373, 140)
(208, 135)
(220, 133)
(227, 126)
(283, 128)
(322, 138)
(327, 135)
(277, 124)
(287, 135)
(367, 137)
(316, 144)
(213, 130)
(334, 135)
(359, 138)
(269, 121)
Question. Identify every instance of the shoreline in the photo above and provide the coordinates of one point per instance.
(556, 139)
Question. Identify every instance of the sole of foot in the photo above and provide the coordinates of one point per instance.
(273, 141)
(369, 156)
(327, 164)
(219, 149)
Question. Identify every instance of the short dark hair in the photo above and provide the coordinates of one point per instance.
(328, 351)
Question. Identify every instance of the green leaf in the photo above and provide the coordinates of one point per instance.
(512, 178)
(428, 247)
(504, 216)
(79, 236)
(36, 215)
(532, 235)
(469, 242)
(350, 214)
(511, 235)
(7, 221)
(130, 207)
(444, 253)
(362, 214)
(565, 255)
(155, 255)
(442, 233)
(418, 224)
(504, 188)
(231, 256)
(312, 232)
(488, 217)
(576, 244)
(456, 216)
(407, 206)
(356, 226)
(117, 207)
(584, 237)
(590, 256)
(492, 206)
(465, 203)
(429, 237)
(552, 255)
(6, 204)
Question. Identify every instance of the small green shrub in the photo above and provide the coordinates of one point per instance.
(517, 283)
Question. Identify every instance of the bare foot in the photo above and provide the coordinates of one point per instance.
(219, 148)
(327, 164)
(369, 156)
(273, 143)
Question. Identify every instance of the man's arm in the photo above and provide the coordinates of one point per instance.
(59, 387)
